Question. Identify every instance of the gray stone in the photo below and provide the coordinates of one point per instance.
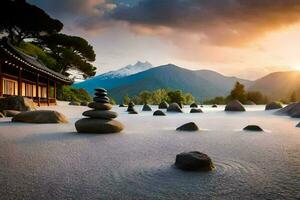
(40, 116)
(193, 105)
(214, 106)
(74, 103)
(11, 113)
(100, 106)
(16, 103)
(130, 108)
(191, 126)
(146, 107)
(100, 114)
(101, 94)
(159, 113)
(253, 128)
(163, 105)
(84, 103)
(174, 107)
(98, 126)
(273, 105)
(235, 106)
(194, 110)
(194, 161)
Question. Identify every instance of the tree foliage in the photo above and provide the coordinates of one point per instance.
(238, 93)
(157, 96)
(20, 20)
(70, 52)
(69, 93)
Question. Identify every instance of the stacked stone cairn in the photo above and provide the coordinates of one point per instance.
(101, 119)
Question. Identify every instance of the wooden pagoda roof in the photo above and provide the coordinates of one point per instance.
(17, 58)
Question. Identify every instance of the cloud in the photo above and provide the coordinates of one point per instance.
(227, 22)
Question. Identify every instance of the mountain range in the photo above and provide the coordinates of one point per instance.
(203, 84)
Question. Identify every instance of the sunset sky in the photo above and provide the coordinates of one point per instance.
(245, 38)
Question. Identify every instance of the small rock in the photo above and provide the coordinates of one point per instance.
(100, 114)
(214, 106)
(298, 125)
(74, 103)
(122, 106)
(100, 126)
(194, 110)
(174, 107)
(159, 113)
(101, 94)
(235, 106)
(273, 105)
(163, 105)
(253, 128)
(40, 116)
(146, 107)
(100, 106)
(194, 161)
(11, 113)
(84, 103)
(1, 115)
(193, 105)
(188, 127)
(133, 112)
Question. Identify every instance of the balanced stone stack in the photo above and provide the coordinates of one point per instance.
(101, 118)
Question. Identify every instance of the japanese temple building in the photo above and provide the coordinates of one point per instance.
(23, 75)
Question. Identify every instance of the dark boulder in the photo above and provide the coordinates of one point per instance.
(273, 105)
(214, 106)
(16, 103)
(194, 110)
(194, 161)
(188, 127)
(40, 116)
(174, 107)
(146, 107)
(235, 106)
(133, 112)
(193, 105)
(159, 113)
(253, 128)
(163, 105)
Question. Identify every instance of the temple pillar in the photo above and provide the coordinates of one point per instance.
(37, 89)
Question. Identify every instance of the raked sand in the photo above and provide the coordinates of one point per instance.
(52, 161)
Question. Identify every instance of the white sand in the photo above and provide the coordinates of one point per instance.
(52, 161)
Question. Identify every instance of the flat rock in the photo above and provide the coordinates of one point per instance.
(194, 161)
(74, 103)
(100, 114)
(289, 109)
(101, 100)
(122, 106)
(100, 106)
(235, 106)
(253, 128)
(194, 105)
(163, 105)
(11, 113)
(100, 90)
(194, 110)
(273, 105)
(159, 113)
(191, 126)
(98, 126)
(40, 116)
(101, 94)
(174, 107)
(146, 107)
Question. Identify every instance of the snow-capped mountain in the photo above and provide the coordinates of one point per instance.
(126, 71)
